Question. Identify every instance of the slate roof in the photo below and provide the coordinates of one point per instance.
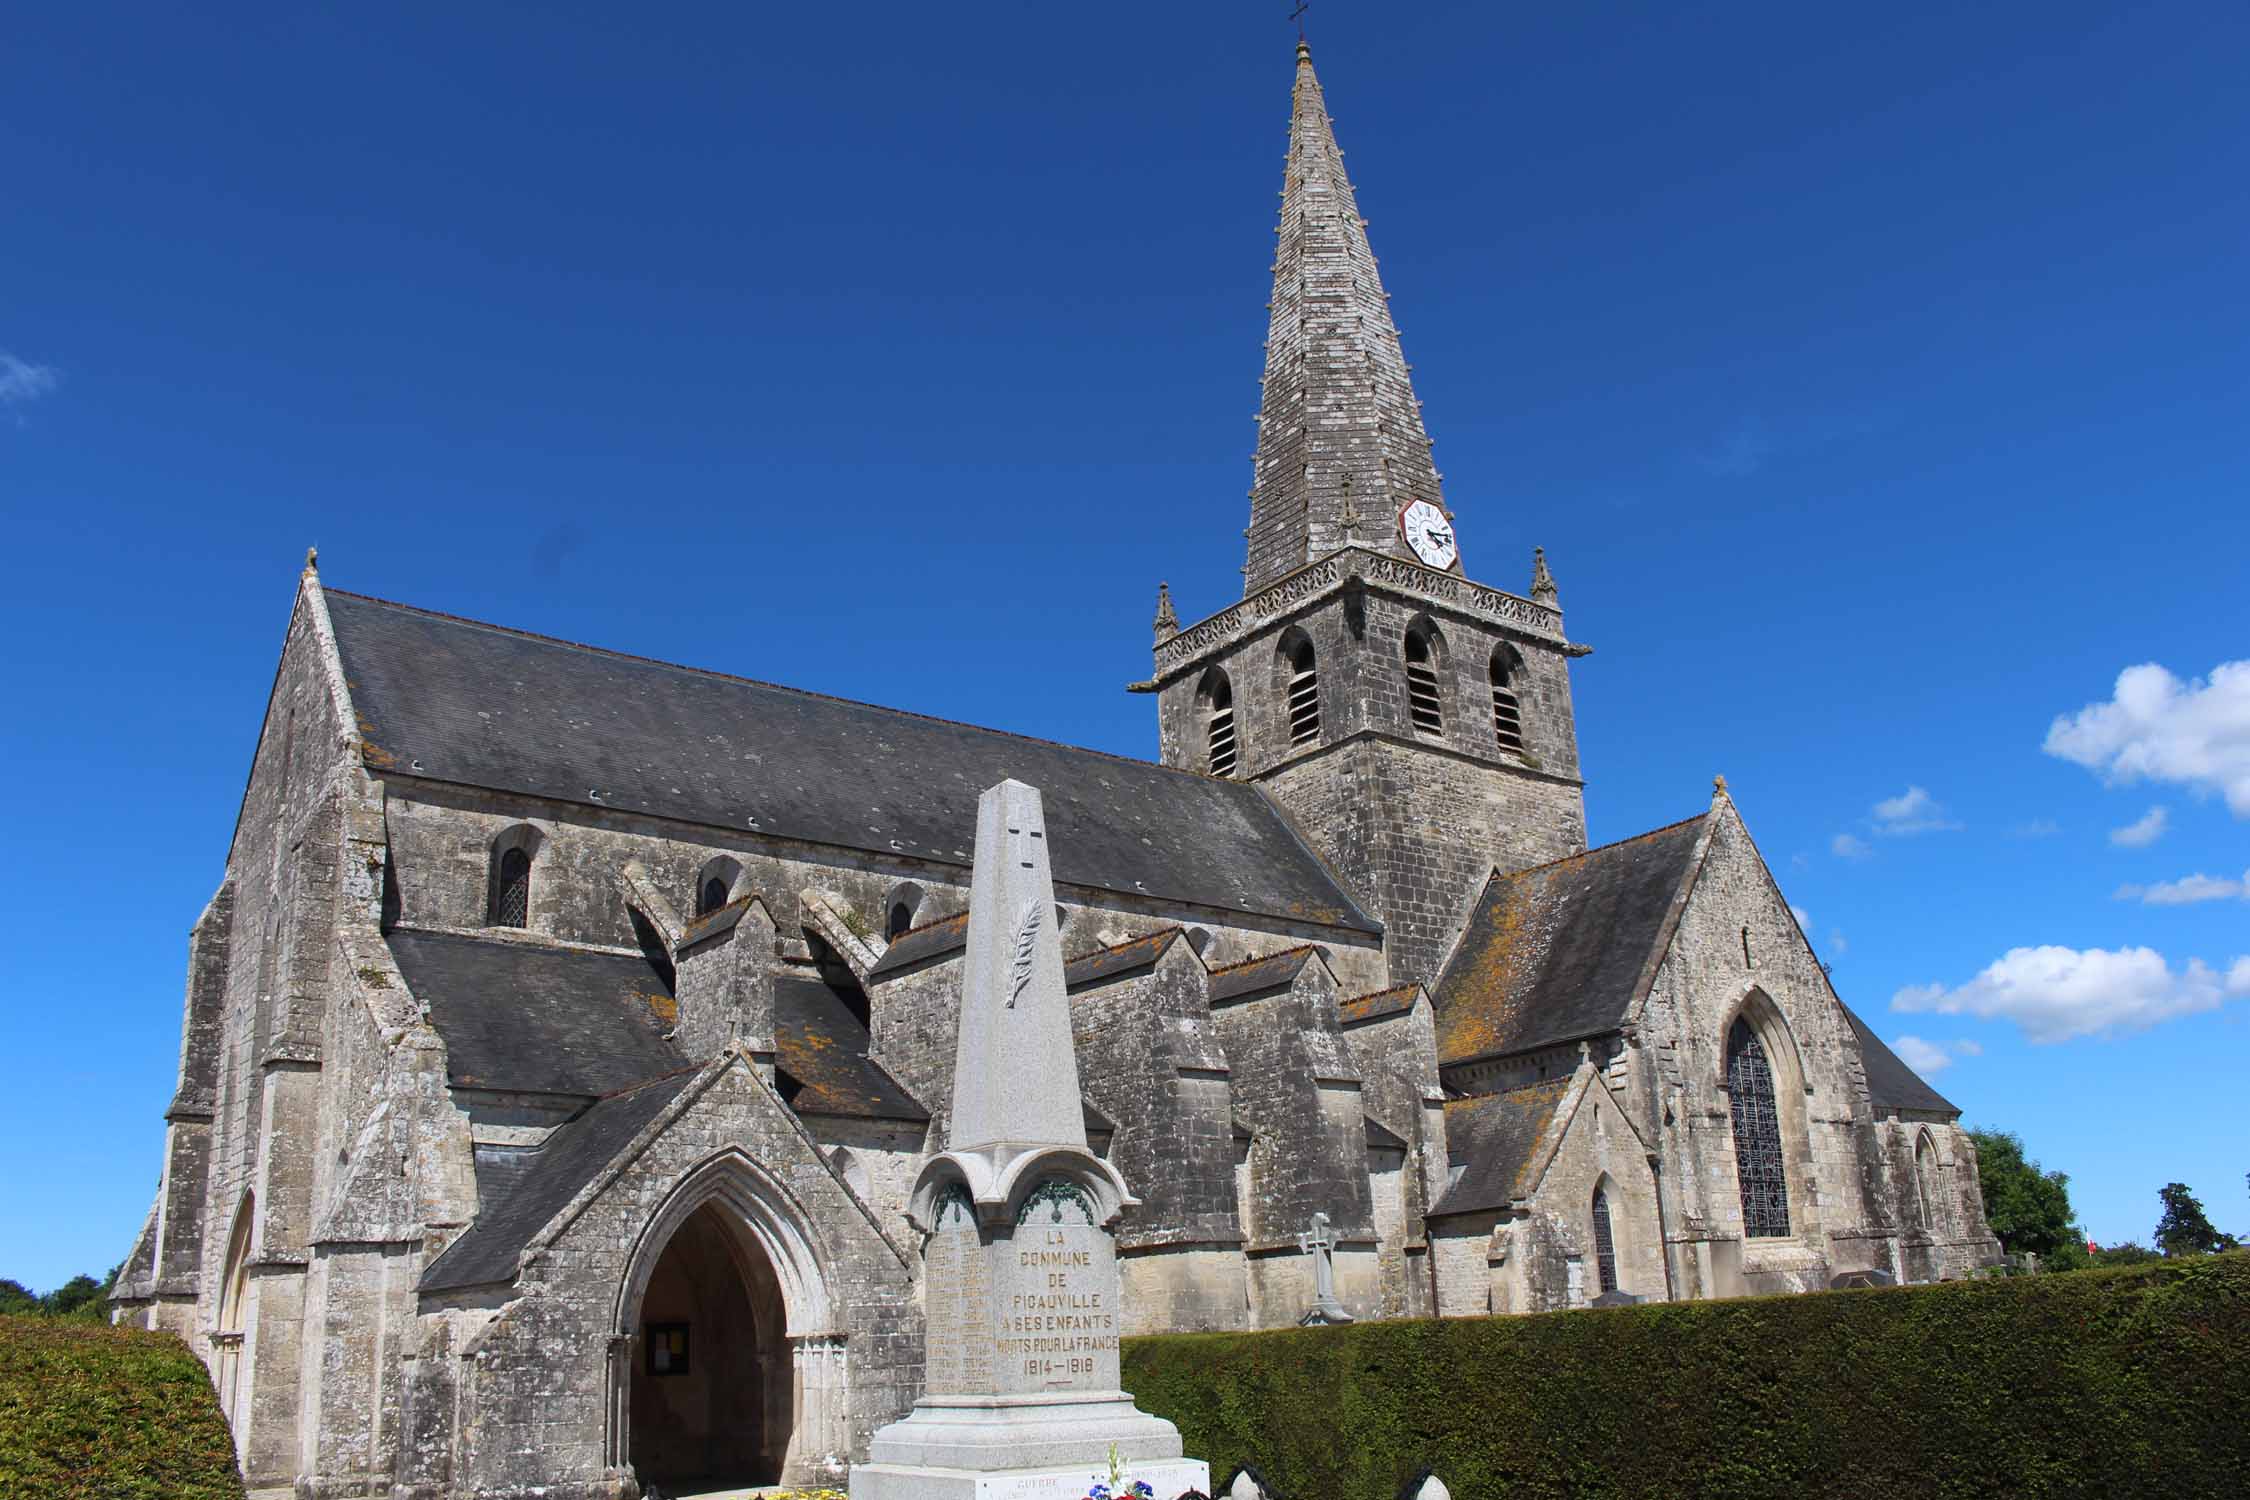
(1891, 1084)
(1491, 1138)
(1124, 958)
(1553, 953)
(948, 935)
(539, 1018)
(1254, 976)
(821, 1044)
(572, 1157)
(1374, 1007)
(723, 919)
(478, 705)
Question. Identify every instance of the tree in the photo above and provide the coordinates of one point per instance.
(2185, 1229)
(2027, 1208)
(2127, 1254)
(17, 1300)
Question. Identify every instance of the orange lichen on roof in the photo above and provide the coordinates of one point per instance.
(1554, 952)
(1382, 1003)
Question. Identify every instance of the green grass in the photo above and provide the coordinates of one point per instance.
(90, 1412)
(2094, 1383)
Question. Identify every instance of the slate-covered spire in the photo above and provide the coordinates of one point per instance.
(1338, 403)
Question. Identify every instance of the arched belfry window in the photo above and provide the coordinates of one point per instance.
(1304, 692)
(1758, 1162)
(1507, 710)
(511, 888)
(711, 897)
(1422, 701)
(1605, 1246)
(1218, 725)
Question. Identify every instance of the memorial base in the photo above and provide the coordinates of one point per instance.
(1169, 1478)
(1053, 1447)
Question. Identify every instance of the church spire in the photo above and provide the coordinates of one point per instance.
(1341, 447)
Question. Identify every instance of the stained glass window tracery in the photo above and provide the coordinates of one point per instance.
(1757, 1136)
(1605, 1247)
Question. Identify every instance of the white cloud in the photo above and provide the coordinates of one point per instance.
(2188, 890)
(1923, 1057)
(1911, 811)
(2057, 993)
(22, 381)
(2142, 831)
(2195, 733)
(2037, 828)
(1837, 945)
(1847, 846)
(1804, 918)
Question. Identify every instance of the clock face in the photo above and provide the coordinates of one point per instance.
(1429, 533)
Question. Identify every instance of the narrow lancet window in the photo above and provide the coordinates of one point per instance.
(1304, 696)
(1221, 729)
(1422, 685)
(511, 889)
(1925, 1171)
(1507, 713)
(1757, 1136)
(1605, 1247)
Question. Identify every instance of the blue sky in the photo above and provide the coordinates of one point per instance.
(1875, 383)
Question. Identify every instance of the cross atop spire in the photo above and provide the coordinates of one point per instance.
(1338, 405)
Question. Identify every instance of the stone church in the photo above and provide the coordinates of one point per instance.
(567, 1030)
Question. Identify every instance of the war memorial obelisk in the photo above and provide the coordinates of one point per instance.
(1022, 1399)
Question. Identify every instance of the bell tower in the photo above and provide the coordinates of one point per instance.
(1416, 725)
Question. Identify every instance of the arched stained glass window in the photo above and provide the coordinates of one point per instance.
(1757, 1136)
(511, 889)
(1605, 1247)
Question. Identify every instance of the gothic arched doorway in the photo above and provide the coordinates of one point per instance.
(712, 1389)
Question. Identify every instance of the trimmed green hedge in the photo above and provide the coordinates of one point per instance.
(90, 1412)
(2093, 1383)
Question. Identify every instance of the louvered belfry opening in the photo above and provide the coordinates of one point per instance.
(1304, 696)
(1422, 685)
(1605, 1248)
(1757, 1136)
(511, 890)
(1507, 713)
(1221, 730)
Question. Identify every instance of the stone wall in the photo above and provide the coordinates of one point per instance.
(1412, 821)
(538, 1385)
(1738, 952)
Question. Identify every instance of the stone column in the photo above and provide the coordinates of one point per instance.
(1020, 1266)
